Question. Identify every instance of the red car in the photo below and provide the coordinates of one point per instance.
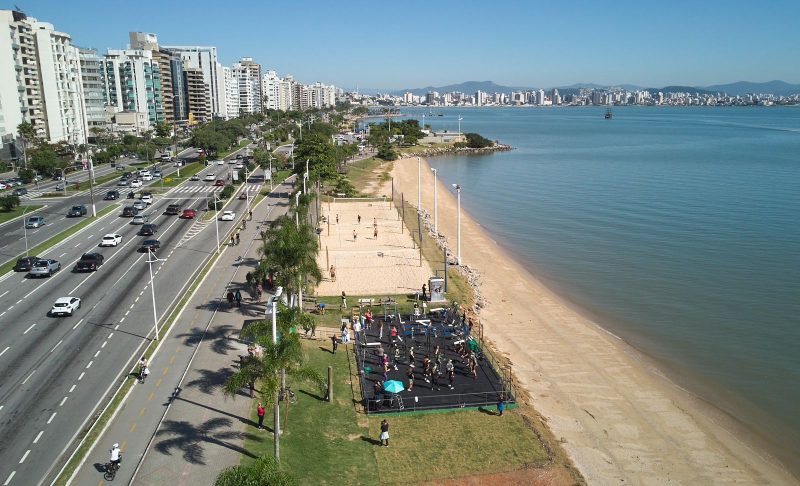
(189, 214)
(219, 182)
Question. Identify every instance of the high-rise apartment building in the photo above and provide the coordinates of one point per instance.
(94, 93)
(204, 58)
(270, 86)
(248, 78)
(197, 100)
(231, 92)
(133, 82)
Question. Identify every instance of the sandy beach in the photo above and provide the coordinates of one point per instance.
(618, 418)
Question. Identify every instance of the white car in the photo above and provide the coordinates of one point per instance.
(227, 216)
(136, 183)
(111, 240)
(65, 306)
(147, 177)
(147, 199)
(210, 178)
(220, 162)
(140, 205)
(139, 219)
(238, 167)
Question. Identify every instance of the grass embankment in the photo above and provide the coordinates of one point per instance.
(18, 211)
(365, 175)
(43, 247)
(330, 443)
(244, 143)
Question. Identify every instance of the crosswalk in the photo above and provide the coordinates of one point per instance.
(53, 193)
(191, 189)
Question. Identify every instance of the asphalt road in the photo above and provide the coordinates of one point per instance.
(57, 371)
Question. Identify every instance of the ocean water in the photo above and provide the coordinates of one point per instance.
(677, 229)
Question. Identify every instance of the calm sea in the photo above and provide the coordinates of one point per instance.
(677, 229)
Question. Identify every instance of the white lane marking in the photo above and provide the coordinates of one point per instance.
(117, 326)
(127, 312)
(9, 478)
(4, 313)
(51, 418)
(62, 402)
(89, 365)
(81, 376)
(137, 298)
(4, 293)
(38, 436)
(4, 351)
(19, 301)
(90, 237)
(11, 307)
(78, 324)
(77, 245)
(72, 388)
(109, 335)
(32, 326)
(98, 352)
(29, 377)
(24, 456)
(62, 255)
(103, 345)
(54, 347)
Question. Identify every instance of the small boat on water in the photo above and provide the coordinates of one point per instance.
(608, 114)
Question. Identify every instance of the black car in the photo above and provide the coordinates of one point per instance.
(112, 195)
(129, 211)
(89, 261)
(77, 211)
(173, 209)
(25, 264)
(20, 191)
(148, 229)
(151, 245)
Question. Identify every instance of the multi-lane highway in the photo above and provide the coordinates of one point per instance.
(56, 372)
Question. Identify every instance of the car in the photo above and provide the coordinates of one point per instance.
(220, 162)
(56, 177)
(210, 178)
(34, 222)
(44, 267)
(60, 187)
(148, 229)
(111, 196)
(173, 209)
(156, 173)
(150, 245)
(127, 175)
(89, 261)
(189, 214)
(180, 162)
(65, 306)
(238, 167)
(111, 239)
(139, 219)
(147, 177)
(195, 178)
(219, 183)
(140, 205)
(129, 211)
(238, 156)
(147, 198)
(24, 264)
(136, 183)
(123, 182)
(227, 216)
(77, 211)
(20, 191)
(3, 185)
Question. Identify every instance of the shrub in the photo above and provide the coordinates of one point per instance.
(386, 152)
(9, 202)
(474, 140)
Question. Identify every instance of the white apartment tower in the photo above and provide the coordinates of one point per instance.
(231, 93)
(204, 58)
(132, 80)
(248, 77)
(270, 86)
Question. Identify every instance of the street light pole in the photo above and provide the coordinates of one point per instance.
(152, 289)
(91, 187)
(419, 185)
(296, 207)
(435, 205)
(25, 229)
(458, 191)
(216, 219)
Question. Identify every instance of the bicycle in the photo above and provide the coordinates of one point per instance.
(287, 394)
(111, 469)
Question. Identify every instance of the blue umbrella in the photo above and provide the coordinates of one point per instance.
(393, 386)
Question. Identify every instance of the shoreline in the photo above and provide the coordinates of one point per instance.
(617, 414)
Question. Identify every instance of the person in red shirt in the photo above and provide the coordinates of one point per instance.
(261, 413)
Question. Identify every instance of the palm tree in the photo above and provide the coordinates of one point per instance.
(264, 471)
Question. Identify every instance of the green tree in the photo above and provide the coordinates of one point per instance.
(163, 129)
(475, 140)
(9, 202)
(264, 471)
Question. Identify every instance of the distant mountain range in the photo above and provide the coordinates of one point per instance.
(734, 89)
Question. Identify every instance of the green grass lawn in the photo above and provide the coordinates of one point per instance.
(18, 211)
(332, 443)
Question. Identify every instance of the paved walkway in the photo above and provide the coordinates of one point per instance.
(201, 432)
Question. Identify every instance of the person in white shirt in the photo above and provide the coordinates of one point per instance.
(116, 455)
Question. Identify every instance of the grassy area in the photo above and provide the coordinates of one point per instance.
(171, 181)
(363, 175)
(18, 211)
(43, 247)
(331, 443)
(244, 143)
(333, 314)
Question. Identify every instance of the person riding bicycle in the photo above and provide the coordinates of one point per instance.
(116, 456)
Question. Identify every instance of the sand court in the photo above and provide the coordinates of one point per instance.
(366, 264)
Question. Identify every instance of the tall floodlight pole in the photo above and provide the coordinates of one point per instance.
(276, 432)
(270, 172)
(91, 187)
(435, 205)
(296, 208)
(459, 127)
(419, 185)
(458, 191)
(150, 262)
(216, 219)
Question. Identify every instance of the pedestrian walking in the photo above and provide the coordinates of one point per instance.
(411, 356)
(259, 290)
(229, 297)
(237, 237)
(344, 300)
(424, 292)
(335, 342)
(238, 298)
(232, 240)
(333, 273)
(142, 366)
(261, 413)
(501, 405)
(380, 330)
(384, 433)
(410, 378)
(396, 357)
(250, 215)
(357, 329)
(359, 219)
(145, 373)
(355, 236)
(337, 218)
(435, 376)
(375, 234)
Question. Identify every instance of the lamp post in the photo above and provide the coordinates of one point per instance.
(91, 187)
(419, 185)
(458, 191)
(216, 218)
(435, 205)
(270, 171)
(150, 262)
(296, 207)
(25, 229)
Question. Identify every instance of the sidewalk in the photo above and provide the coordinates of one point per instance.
(202, 431)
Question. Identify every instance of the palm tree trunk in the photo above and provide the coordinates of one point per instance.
(276, 427)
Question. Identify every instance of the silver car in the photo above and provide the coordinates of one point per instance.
(44, 268)
(34, 222)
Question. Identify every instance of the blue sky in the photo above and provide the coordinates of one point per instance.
(411, 43)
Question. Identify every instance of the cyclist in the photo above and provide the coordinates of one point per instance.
(116, 456)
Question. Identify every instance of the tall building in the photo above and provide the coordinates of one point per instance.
(231, 93)
(286, 99)
(133, 82)
(94, 92)
(270, 85)
(197, 100)
(20, 95)
(248, 78)
(204, 58)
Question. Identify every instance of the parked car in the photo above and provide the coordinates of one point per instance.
(148, 229)
(227, 216)
(89, 262)
(210, 178)
(111, 195)
(139, 219)
(219, 183)
(65, 306)
(195, 178)
(77, 211)
(34, 222)
(20, 191)
(24, 264)
(129, 211)
(111, 239)
(140, 205)
(189, 214)
(173, 209)
(151, 245)
(44, 268)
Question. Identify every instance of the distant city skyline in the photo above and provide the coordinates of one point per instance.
(374, 45)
